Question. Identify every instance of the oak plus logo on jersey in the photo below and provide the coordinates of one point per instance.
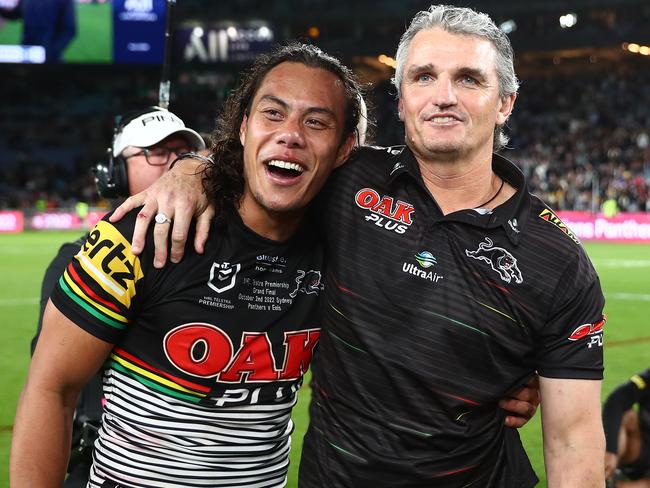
(207, 351)
(499, 259)
(223, 276)
(385, 211)
(594, 332)
(307, 282)
(425, 260)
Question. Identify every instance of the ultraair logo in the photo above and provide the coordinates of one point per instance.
(385, 211)
(426, 260)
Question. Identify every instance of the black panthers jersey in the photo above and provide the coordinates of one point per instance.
(430, 319)
(208, 356)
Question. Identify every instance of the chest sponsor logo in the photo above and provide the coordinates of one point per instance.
(206, 351)
(274, 264)
(223, 276)
(307, 282)
(385, 211)
(550, 217)
(106, 256)
(499, 259)
(593, 333)
(425, 260)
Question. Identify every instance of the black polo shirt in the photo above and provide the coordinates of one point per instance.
(430, 320)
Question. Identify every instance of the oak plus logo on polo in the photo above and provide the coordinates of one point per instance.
(106, 256)
(425, 260)
(592, 333)
(385, 211)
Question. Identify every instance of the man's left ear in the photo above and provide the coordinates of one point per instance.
(345, 149)
(505, 109)
(242, 130)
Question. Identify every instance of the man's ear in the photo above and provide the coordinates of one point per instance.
(345, 149)
(505, 108)
(399, 109)
(242, 130)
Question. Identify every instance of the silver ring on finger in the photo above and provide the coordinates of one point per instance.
(161, 218)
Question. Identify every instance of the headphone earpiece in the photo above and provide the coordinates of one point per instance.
(111, 176)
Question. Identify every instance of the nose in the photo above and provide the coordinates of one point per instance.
(291, 133)
(444, 93)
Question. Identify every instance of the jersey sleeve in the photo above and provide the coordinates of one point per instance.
(98, 290)
(571, 340)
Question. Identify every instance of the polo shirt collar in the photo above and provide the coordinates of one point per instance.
(511, 215)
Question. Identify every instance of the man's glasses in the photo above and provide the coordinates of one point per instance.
(160, 156)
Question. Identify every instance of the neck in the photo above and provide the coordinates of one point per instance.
(275, 226)
(461, 183)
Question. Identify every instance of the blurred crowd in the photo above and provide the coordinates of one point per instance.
(582, 140)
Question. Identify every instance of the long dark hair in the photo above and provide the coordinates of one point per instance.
(223, 179)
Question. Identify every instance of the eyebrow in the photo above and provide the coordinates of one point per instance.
(285, 105)
(466, 70)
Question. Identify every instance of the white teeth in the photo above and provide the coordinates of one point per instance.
(286, 165)
(442, 120)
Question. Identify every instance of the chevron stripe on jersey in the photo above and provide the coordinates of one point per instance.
(150, 439)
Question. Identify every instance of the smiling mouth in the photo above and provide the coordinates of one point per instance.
(284, 169)
(442, 120)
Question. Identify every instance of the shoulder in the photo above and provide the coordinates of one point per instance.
(376, 156)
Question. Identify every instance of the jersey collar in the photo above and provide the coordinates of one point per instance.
(511, 215)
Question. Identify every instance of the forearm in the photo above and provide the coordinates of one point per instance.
(41, 439)
(574, 464)
(574, 443)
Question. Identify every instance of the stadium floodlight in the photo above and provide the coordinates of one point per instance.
(265, 33)
(633, 47)
(645, 50)
(568, 20)
(508, 26)
(197, 32)
(232, 32)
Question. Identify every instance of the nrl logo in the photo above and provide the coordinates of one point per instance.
(499, 260)
(308, 282)
(223, 276)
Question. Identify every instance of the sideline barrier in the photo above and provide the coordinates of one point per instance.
(13, 221)
(624, 227)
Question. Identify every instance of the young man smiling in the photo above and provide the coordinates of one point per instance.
(203, 359)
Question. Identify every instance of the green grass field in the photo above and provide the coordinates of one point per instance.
(624, 271)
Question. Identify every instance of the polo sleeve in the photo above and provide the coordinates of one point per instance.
(99, 288)
(570, 344)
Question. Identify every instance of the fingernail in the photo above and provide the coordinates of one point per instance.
(157, 263)
(135, 249)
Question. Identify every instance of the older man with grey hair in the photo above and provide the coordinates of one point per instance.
(448, 285)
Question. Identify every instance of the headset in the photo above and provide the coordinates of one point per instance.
(111, 176)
